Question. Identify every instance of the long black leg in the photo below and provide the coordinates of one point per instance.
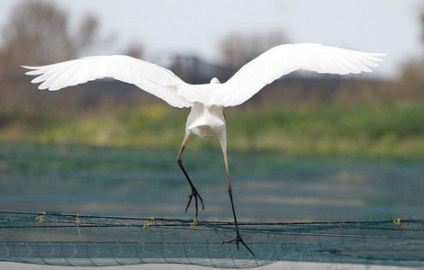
(194, 192)
(238, 238)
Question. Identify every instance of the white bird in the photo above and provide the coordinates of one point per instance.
(207, 101)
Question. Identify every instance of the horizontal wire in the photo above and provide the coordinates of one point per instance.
(248, 223)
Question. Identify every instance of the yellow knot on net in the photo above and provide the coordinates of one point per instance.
(399, 222)
(78, 222)
(149, 222)
(41, 216)
(77, 219)
(193, 223)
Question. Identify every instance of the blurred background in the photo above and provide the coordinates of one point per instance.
(308, 135)
(372, 113)
(306, 148)
(377, 114)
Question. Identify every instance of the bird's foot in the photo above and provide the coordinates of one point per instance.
(239, 240)
(197, 197)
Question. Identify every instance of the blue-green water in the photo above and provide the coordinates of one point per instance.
(267, 185)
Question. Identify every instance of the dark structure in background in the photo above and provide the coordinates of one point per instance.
(195, 70)
(301, 88)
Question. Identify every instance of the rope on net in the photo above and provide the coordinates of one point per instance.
(87, 240)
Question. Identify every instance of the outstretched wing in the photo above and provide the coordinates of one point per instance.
(153, 79)
(284, 59)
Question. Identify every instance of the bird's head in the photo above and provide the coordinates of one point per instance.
(215, 81)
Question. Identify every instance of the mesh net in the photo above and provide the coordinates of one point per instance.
(84, 240)
(313, 195)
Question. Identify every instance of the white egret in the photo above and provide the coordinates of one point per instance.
(207, 101)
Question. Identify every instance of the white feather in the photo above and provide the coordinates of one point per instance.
(154, 79)
(250, 79)
(279, 61)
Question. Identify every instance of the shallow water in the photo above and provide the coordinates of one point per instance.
(268, 186)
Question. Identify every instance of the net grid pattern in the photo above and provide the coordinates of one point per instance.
(86, 240)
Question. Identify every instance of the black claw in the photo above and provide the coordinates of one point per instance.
(197, 197)
(239, 240)
(189, 197)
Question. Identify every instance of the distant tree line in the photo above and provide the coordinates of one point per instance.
(39, 32)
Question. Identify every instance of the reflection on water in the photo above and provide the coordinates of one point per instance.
(268, 186)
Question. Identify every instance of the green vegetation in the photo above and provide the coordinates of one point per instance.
(390, 130)
(301, 115)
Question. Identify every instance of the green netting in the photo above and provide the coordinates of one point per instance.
(83, 240)
(313, 195)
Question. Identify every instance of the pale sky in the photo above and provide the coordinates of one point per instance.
(196, 26)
